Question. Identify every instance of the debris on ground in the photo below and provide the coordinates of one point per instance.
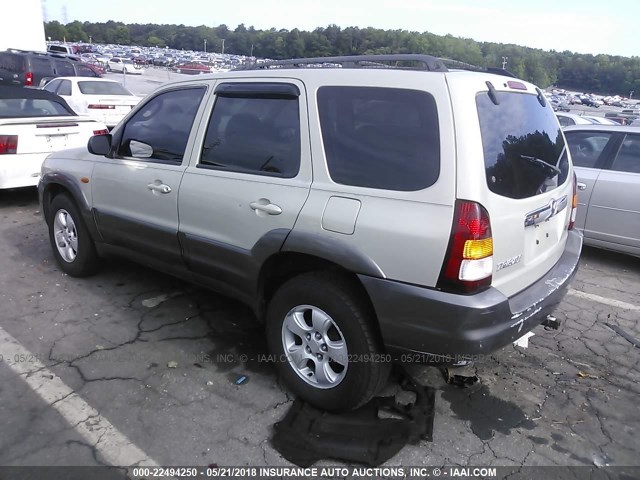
(371, 434)
(464, 376)
(241, 379)
(629, 338)
(172, 364)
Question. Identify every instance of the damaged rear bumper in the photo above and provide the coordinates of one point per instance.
(459, 327)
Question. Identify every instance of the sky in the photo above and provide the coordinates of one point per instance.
(584, 26)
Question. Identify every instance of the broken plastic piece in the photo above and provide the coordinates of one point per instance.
(523, 341)
(241, 379)
(306, 434)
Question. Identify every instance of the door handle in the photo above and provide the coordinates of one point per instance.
(582, 186)
(159, 187)
(264, 205)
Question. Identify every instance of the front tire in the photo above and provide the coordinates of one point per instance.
(320, 330)
(71, 242)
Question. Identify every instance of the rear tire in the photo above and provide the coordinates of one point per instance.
(309, 318)
(71, 242)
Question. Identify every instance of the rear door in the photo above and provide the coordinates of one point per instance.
(523, 175)
(614, 212)
(251, 176)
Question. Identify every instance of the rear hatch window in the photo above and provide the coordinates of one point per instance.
(11, 62)
(524, 151)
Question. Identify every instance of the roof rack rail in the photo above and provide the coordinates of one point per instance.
(468, 66)
(421, 62)
(18, 50)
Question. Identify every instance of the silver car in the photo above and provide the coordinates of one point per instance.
(607, 162)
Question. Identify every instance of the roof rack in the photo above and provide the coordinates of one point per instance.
(420, 62)
(468, 66)
(403, 61)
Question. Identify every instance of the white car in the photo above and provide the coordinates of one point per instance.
(33, 124)
(103, 100)
(124, 65)
(567, 119)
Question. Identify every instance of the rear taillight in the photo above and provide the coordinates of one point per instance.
(574, 203)
(8, 144)
(468, 265)
(28, 79)
(99, 106)
(101, 132)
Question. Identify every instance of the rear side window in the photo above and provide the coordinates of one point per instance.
(84, 71)
(628, 158)
(524, 150)
(65, 88)
(42, 66)
(565, 121)
(384, 138)
(64, 69)
(586, 147)
(255, 133)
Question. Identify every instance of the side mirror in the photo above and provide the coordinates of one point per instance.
(100, 144)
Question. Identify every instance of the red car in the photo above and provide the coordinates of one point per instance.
(192, 68)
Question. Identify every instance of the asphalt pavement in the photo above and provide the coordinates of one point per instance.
(133, 364)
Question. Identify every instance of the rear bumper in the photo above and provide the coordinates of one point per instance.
(20, 170)
(427, 321)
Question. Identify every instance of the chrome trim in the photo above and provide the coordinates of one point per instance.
(543, 214)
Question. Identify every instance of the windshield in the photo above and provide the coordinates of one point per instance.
(102, 88)
(27, 107)
(524, 150)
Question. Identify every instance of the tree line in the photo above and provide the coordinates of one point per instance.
(605, 74)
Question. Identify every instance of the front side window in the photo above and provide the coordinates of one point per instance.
(160, 129)
(384, 138)
(258, 135)
(524, 150)
(586, 147)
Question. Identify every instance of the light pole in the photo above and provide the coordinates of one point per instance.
(205, 45)
(222, 46)
(504, 62)
(90, 38)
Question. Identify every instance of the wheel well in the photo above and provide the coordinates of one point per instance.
(52, 190)
(283, 266)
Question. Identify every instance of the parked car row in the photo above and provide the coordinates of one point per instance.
(33, 69)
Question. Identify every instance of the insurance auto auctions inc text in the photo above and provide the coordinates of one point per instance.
(376, 472)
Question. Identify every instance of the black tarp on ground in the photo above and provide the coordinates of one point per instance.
(306, 434)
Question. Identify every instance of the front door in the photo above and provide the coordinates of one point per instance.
(135, 193)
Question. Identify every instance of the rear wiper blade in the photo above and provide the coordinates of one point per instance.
(552, 169)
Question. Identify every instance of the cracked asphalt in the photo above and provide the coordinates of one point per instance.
(160, 358)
